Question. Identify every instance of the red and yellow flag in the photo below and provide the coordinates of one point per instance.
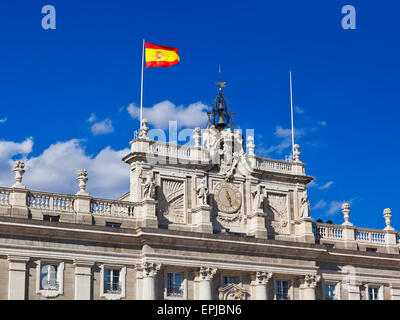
(160, 56)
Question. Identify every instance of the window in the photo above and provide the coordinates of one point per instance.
(48, 277)
(51, 218)
(230, 280)
(174, 284)
(113, 224)
(373, 293)
(371, 249)
(112, 281)
(282, 290)
(329, 292)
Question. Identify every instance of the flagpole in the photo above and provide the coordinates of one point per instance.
(291, 109)
(141, 90)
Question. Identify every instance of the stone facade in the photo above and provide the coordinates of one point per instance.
(203, 222)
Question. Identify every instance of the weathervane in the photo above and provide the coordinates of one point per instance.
(220, 83)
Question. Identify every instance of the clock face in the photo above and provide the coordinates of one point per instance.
(228, 197)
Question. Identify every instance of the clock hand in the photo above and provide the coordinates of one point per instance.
(228, 197)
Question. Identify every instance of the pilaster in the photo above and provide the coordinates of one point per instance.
(261, 281)
(206, 274)
(82, 209)
(18, 202)
(147, 214)
(308, 285)
(256, 225)
(201, 219)
(147, 272)
(303, 229)
(83, 279)
(17, 277)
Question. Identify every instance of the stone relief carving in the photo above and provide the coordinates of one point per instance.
(310, 281)
(172, 204)
(277, 205)
(149, 188)
(233, 292)
(305, 208)
(147, 269)
(207, 273)
(258, 199)
(263, 277)
(202, 193)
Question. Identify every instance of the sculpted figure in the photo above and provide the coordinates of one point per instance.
(202, 192)
(305, 208)
(258, 198)
(149, 188)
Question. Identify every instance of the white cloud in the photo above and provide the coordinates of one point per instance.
(326, 185)
(322, 123)
(92, 118)
(55, 169)
(102, 127)
(3, 120)
(298, 110)
(335, 207)
(286, 139)
(194, 115)
(320, 204)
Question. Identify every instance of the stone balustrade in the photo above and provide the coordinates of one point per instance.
(112, 208)
(368, 235)
(171, 150)
(331, 233)
(50, 201)
(195, 154)
(328, 231)
(5, 196)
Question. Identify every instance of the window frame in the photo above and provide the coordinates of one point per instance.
(276, 285)
(122, 282)
(183, 284)
(378, 287)
(326, 284)
(50, 293)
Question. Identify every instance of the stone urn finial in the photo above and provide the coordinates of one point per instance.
(197, 137)
(250, 145)
(144, 129)
(19, 170)
(297, 153)
(387, 214)
(346, 214)
(82, 179)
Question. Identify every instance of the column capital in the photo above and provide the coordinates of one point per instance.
(310, 281)
(263, 277)
(148, 269)
(207, 273)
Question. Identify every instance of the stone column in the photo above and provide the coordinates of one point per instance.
(205, 284)
(17, 277)
(148, 271)
(308, 286)
(262, 279)
(83, 279)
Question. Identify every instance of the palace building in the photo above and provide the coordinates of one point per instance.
(210, 221)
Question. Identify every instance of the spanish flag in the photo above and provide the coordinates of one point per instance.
(160, 56)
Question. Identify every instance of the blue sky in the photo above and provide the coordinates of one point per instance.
(65, 93)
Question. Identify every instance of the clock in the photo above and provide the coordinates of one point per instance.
(228, 197)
